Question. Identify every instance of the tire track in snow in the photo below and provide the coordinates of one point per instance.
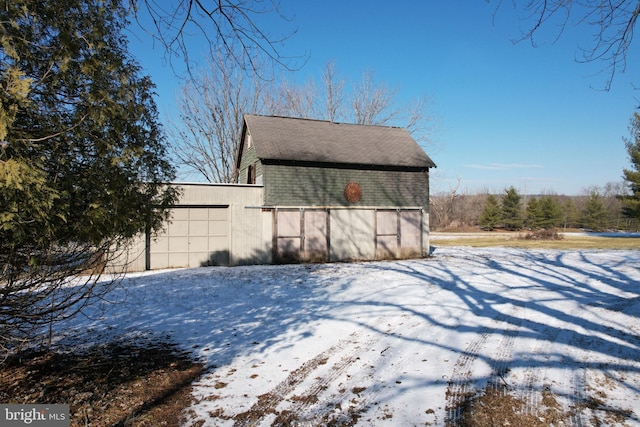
(570, 385)
(576, 396)
(460, 387)
(356, 387)
(306, 406)
(575, 393)
(363, 390)
(536, 376)
(501, 361)
(268, 402)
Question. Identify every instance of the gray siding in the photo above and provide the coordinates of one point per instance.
(249, 158)
(318, 186)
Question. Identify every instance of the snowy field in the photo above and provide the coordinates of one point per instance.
(397, 343)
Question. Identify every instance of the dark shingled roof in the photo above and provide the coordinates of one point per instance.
(305, 140)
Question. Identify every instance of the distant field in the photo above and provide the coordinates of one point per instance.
(517, 240)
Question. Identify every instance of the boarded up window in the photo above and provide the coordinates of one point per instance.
(410, 234)
(316, 248)
(386, 234)
(301, 235)
(398, 233)
(288, 237)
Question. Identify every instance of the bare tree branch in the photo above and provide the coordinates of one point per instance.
(211, 108)
(373, 104)
(229, 26)
(334, 96)
(613, 24)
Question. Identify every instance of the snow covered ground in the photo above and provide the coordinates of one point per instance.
(396, 343)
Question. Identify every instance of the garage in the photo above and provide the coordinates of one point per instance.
(195, 236)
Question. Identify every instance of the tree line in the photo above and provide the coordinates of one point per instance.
(597, 209)
(612, 207)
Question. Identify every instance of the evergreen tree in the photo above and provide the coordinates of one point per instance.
(631, 202)
(594, 214)
(490, 217)
(533, 214)
(82, 159)
(512, 210)
(550, 213)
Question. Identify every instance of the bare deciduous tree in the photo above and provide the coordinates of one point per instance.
(373, 104)
(334, 93)
(441, 206)
(211, 108)
(293, 100)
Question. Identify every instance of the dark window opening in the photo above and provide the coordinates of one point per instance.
(251, 174)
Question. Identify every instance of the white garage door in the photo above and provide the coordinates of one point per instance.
(195, 237)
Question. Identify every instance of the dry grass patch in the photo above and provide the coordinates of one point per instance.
(498, 408)
(117, 384)
(516, 240)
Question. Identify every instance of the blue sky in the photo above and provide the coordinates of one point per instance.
(507, 114)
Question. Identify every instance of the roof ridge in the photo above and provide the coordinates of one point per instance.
(310, 119)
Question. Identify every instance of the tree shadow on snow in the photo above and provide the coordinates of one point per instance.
(216, 313)
(578, 311)
(564, 304)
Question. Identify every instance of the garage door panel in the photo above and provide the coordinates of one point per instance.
(161, 243)
(387, 246)
(315, 236)
(198, 214)
(289, 248)
(219, 215)
(169, 260)
(410, 241)
(198, 244)
(199, 259)
(315, 223)
(178, 228)
(178, 259)
(178, 244)
(179, 214)
(410, 221)
(399, 233)
(198, 228)
(411, 231)
(218, 228)
(159, 260)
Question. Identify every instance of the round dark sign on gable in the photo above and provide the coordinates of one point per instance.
(353, 192)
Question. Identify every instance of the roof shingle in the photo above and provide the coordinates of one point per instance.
(306, 140)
